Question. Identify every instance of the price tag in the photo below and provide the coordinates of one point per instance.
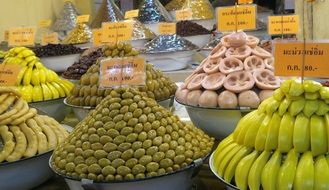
(97, 37)
(245, 1)
(6, 35)
(9, 74)
(166, 28)
(116, 72)
(245, 15)
(185, 14)
(51, 38)
(289, 58)
(45, 23)
(283, 24)
(131, 14)
(83, 19)
(21, 36)
(116, 32)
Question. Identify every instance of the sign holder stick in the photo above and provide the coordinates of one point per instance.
(236, 16)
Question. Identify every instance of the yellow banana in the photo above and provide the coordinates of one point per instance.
(284, 106)
(254, 176)
(20, 76)
(27, 53)
(49, 76)
(39, 65)
(35, 77)
(319, 142)
(272, 105)
(304, 178)
(68, 84)
(27, 92)
(270, 172)
(42, 75)
(241, 124)
(31, 58)
(37, 94)
(278, 95)
(230, 169)
(228, 140)
(54, 92)
(273, 132)
(287, 171)
(286, 132)
(263, 105)
(311, 106)
(326, 120)
(228, 157)
(27, 76)
(262, 133)
(296, 106)
(219, 158)
(251, 134)
(242, 170)
(247, 123)
(47, 94)
(66, 90)
(59, 89)
(321, 173)
(301, 138)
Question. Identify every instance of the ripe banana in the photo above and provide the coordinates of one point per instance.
(287, 171)
(241, 125)
(226, 160)
(21, 75)
(273, 132)
(27, 76)
(243, 168)
(247, 124)
(27, 92)
(272, 106)
(286, 132)
(278, 95)
(37, 94)
(251, 134)
(284, 106)
(262, 133)
(53, 90)
(254, 176)
(219, 158)
(47, 94)
(42, 75)
(59, 89)
(301, 138)
(66, 90)
(223, 144)
(321, 173)
(270, 172)
(304, 178)
(35, 77)
(319, 141)
(263, 105)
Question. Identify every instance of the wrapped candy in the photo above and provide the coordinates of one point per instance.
(152, 11)
(140, 31)
(66, 20)
(79, 35)
(201, 9)
(108, 12)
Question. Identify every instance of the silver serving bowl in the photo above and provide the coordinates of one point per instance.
(199, 40)
(212, 168)
(179, 180)
(59, 63)
(53, 108)
(216, 122)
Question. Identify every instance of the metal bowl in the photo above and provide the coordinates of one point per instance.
(228, 185)
(139, 44)
(53, 108)
(170, 61)
(81, 112)
(216, 122)
(26, 173)
(199, 40)
(59, 63)
(179, 180)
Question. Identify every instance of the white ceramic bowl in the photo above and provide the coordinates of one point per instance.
(53, 108)
(170, 61)
(179, 180)
(212, 168)
(59, 63)
(216, 122)
(26, 173)
(139, 44)
(199, 40)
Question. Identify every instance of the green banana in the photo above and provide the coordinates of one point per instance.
(272, 105)
(287, 171)
(321, 173)
(304, 178)
(323, 108)
(311, 86)
(254, 176)
(222, 145)
(285, 86)
(273, 132)
(286, 131)
(243, 168)
(251, 134)
(241, 125)
(326, 120)
(311, 95)
(245, 127)
(230, 169)
(27, 76)
(270, 172)
(227, 159)
(296, 88)
(262, 133)
(319, 142)
(263, 105)
(296, 107)
(324, 92)
(311, 106)
(301, 138)
(284, 106)
(278, 95)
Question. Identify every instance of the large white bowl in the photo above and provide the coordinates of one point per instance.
(199, 40)
(53, 108)
(212, 168)
(139, 44)
(179, 180)
(170, 61)
(216, 122)
(26, 173)
(59, 63)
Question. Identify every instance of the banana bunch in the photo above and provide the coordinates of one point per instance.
(284, 144)
(2, 54)
(23, 132)
(36, 82)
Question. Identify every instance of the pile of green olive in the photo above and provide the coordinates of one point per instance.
(129, 136)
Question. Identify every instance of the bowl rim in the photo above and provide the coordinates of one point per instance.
(213, 171)
(24, 159)
(46, 100)
(60, 56)
(193, 165)
(242, 109)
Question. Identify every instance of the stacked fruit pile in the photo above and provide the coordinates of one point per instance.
(232, 76)
(23, 132)
(88, 93)
(281, 145)
(129, 136)
(36, 82)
